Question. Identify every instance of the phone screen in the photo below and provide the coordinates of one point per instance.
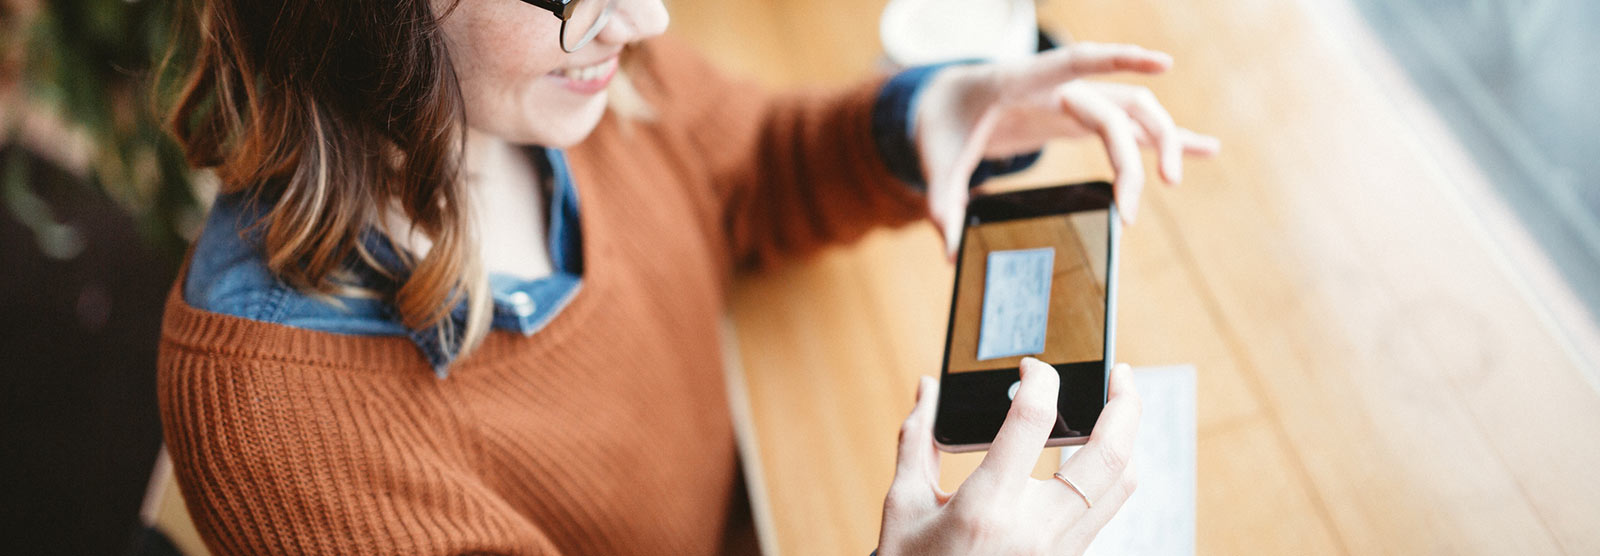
(1035, 278)
(1031, 287)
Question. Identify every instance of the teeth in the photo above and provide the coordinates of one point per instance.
(587, 73)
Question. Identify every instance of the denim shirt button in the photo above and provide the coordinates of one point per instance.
(522, 303)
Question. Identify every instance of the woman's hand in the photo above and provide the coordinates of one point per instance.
(972, 112)
(1000, 509)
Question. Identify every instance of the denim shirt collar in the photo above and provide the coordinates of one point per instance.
(520, 305)
(228, 274)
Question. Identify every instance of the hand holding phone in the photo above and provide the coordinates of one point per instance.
(1000, 509)
(1035, 276)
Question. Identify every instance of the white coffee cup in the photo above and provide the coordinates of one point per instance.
(917, 32)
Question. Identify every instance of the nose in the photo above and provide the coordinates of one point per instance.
(634, 20)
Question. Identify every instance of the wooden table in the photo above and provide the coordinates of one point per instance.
(1386, 363)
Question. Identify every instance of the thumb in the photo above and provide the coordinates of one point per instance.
(948, 193)
(918, 458)
(948, 216)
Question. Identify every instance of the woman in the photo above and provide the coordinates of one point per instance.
(448, 302)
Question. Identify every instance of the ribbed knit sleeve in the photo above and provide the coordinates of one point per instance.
(794, 171)
(279, 457)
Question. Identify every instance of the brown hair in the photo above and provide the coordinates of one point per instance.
(333, 112)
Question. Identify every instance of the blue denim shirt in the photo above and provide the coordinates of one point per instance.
(228, 274)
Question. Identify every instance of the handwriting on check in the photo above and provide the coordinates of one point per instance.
(1016, 302)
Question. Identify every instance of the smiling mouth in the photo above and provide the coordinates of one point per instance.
(594, 72)
(587, 80)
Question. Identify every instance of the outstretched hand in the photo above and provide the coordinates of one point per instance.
(972, 112)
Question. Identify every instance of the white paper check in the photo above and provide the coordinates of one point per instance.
(1016, 302)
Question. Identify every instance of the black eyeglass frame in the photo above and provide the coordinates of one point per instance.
(562, 9)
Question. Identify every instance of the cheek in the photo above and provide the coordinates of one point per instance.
(495, 51)
(521, 104)
(486, 36)
(502, 59)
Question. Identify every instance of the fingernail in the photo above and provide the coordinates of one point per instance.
(1034, 362)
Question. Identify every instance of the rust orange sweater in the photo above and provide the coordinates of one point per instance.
(605, 433)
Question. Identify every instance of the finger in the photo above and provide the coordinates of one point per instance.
(916, 473)
(1117, 131)
(1087, 58)
(948, 188)
(941, 207)
(1199, 144)
(1082, 527)
(1096, 467)
(947, 204)
(1147, 111)
(916, 432)
(949, 164)
(1194, 144)
(1156, 122)
(1027, 426)
(950, 213)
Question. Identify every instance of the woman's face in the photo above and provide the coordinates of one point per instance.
(516, 81)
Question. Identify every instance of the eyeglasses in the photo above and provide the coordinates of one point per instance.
(581, 20)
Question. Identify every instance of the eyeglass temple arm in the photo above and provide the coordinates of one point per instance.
(560, 8)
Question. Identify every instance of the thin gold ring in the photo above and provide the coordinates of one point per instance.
(1064, 480)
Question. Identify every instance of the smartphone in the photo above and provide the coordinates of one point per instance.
(1036, 276)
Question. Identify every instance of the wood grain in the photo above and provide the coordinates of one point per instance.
(1374, 377)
